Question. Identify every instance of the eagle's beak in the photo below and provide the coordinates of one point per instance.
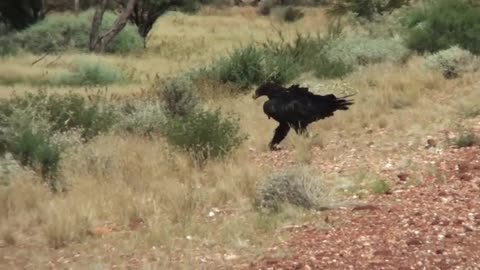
(255, 96)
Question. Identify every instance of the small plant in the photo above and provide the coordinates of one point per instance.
(466, 139)
(141, 118)
(178, 96)
(380, 186)
(206, 135)
(327, 68)
(295, 186)
(35, 150)
(443, 24)
(87, 73)
(454, 58)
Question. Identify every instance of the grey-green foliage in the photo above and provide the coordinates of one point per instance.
(57, 33)
(453, 58)
(141, 117)
(178, 95)
(362, 50)
(438, 25)
(29, 125)
(297, 186)
(90, 73)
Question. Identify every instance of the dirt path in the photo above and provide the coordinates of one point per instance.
(431, 226)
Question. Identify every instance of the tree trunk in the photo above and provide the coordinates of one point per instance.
(76, 6)
(98, 42)
(96, 23)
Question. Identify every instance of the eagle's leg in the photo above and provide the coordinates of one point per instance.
(302, 130)
(280, 133)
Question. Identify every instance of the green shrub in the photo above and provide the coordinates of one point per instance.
(8, 46)
(141, 118)
(325, 68)
(178, 96)
(380, 186)
(243, 67)
(34, 149)
(88, 73)
(443, 24)
(466, 138)
(296, 186)
(59, 33)
(359, 50)
(59, 113)
(453, 58)
(206, 135)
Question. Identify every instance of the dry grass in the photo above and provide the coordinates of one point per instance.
(116, 181)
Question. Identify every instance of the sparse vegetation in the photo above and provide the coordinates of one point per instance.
(296, 186)
(124, 165)
(88, 73)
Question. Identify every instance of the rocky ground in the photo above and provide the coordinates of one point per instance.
(433, 224)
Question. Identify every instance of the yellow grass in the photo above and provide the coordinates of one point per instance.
(116, 180)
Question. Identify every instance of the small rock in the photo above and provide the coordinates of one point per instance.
(403, 176)
(414, 242)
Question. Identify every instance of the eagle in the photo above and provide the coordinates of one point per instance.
(296, 107)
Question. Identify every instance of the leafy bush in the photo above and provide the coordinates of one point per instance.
(178, 96)
(359, 50)
(453, 58)
(204, 134)
(88, 73)
(141, 118)
(59, 113)
(243, 67)
(30, 124)
(330, 69)
(8, 45)
(62, 32)
(443, 24)
(296, 186)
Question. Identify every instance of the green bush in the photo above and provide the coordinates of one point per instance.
(325, 68)
(59, 33)
(453, 58)
(296, 186)
(443, 24)
(8, 45)
(141, 118)
(59, 113)
(466, 138)
(206, 135)
(360, 50)
(88, 73)
(178, 96)
(30, 125)
(243, 67)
